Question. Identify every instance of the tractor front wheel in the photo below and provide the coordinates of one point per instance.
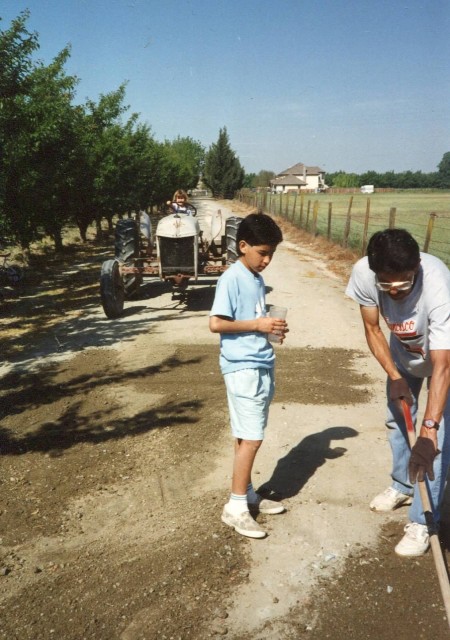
(112, 291)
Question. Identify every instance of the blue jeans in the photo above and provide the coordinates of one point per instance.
(398, 439)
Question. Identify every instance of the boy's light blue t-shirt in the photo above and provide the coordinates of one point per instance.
(240, 295)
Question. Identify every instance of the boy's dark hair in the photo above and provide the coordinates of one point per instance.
(393, 251)
(258, 228)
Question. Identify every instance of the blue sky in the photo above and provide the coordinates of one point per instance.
(342, 84)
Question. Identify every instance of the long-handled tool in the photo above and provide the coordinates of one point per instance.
(431, 525)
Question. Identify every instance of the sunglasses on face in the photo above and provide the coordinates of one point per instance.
(405, 285)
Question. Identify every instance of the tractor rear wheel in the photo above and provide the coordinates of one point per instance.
(127, 249)
(127, 240)
(112, 291)
(231, 227)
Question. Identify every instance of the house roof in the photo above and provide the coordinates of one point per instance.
(298, 169)
(289, 180)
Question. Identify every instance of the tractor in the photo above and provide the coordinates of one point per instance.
(179, 251)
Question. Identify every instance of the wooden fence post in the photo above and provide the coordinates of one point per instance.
(307, 215)
(392, 213)
(315, 214)
(295, 204)
(286, 207)
(280, 209)
(431, 220)
(330, 209)
(366, 228)
(347, 223)
(302, 200)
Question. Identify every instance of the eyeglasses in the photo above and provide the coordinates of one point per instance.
(405, 285)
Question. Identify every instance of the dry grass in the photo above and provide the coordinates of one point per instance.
(338, 259)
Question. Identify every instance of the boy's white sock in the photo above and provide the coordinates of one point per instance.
(252, 496)
(237, 504)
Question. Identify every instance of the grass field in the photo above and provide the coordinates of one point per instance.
(412, 212)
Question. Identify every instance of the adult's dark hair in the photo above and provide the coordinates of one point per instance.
(258, 228)
(393, 251)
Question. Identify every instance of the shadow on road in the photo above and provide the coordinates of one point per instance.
(294, 470)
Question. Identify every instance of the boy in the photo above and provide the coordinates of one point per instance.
(247, 362)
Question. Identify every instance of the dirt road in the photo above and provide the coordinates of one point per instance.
(116, 461)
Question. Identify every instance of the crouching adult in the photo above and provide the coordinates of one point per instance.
(411, 290)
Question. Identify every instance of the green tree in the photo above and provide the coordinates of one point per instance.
(260, 180)
(188, 158)
(17, 45)
(263, 178)
(249, 180)
(443, 177)
(223, 172)
(343, 180)
(36, 135)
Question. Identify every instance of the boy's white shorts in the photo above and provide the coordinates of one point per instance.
(249, 392)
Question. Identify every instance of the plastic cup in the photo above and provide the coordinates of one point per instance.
(276, 312)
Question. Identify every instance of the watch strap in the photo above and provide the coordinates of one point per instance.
(430, 424)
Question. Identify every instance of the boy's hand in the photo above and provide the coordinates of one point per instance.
(279, 327)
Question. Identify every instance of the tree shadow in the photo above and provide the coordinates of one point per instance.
(24, 391)
(294, 470)
(72, 428)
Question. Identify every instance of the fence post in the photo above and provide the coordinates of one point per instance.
(431, 220)
(295, 204)
(392, 213)
(315, 214)
(330, 208)
(302, 200)
(347, 223)
(308, 208)
(366, 228)
(286, 206)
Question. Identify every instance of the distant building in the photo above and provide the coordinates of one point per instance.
(299, 178)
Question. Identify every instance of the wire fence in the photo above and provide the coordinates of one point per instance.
(350, 219)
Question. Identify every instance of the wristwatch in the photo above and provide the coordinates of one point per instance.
(430, 424)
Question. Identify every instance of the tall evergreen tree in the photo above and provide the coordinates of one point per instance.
(223, 173)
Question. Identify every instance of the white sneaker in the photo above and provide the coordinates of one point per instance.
(389, 500)
(415, 542)
(243, 523)
(264, 505)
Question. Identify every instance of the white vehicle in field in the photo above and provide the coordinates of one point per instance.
(367, 188)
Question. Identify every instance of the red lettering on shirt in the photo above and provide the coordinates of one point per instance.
(406, 332)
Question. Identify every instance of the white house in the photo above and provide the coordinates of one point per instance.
(299, 178)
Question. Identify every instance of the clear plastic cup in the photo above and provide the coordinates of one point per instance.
(276, 312)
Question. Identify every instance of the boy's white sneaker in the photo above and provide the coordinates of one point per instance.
(415, 542)
(243, 523)
(269, 507)
(389, 500)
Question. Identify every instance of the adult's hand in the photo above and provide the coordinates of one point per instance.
(399, 389)
(423, 454)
